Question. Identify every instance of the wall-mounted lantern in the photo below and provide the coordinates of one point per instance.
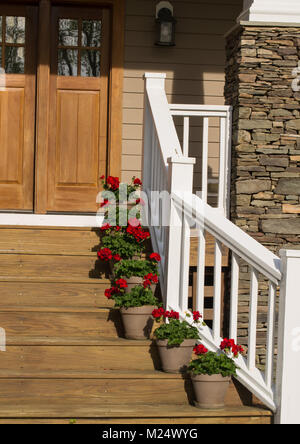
(165, 24)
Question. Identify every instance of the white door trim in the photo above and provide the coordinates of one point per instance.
(50, 220)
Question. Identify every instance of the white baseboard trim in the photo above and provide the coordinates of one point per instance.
(51, 220)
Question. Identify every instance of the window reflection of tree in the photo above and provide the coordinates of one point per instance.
(14, 60)
(68, 62)
(91, 37)
(89, 63)
(15, 29)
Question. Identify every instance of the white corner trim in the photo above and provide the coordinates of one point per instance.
(281, 11)
(50, 220)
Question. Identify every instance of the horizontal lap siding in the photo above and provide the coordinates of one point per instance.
(194, 68)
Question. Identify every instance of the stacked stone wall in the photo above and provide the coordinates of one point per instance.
(262, 86)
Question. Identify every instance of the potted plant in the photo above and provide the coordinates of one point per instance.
(136, 308)
(175, 339)
(122, 242)
(139, 272)
(211, 373)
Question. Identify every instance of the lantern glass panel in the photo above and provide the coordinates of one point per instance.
(166, 32)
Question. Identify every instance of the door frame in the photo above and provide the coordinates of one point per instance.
(115, 94)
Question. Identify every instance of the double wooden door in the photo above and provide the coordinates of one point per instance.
(53, 107)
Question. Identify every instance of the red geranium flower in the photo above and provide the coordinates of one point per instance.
(121, 283)
(137, 182)
(152, 278)
(228, 345)
(111, 291)
(196, 316)
(105, 254)
(158, 313)
(138, 233)
(236, 350)
(117, 258)
(108, 293)
(113, 182)
(105, 227)
(200, 350)
(171, 314)
(155, 257)
(147, 283)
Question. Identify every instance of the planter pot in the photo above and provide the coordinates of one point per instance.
(175, 359)
(210, 391)
(112, 263)
(134, 281)
(137, 322)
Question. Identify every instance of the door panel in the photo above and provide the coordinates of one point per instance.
(78, 108)
(17, 106)
(77, 138)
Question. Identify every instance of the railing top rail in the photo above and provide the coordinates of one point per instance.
(247, 248)
(204, 110)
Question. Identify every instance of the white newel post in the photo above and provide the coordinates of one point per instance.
(288, 361)
(276, 11)
(181, 171)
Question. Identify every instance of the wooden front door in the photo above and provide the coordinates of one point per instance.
(53, 131)
(78, 108)
(17, 106)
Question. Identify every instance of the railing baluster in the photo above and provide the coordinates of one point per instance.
(222, 166)
(147, 137)
(185, 264)
(200, 292)
(270, 337)
(251, 360)
(205, 159)
(228, 162)
(153, 150)
(234, 291)
(186, 136)
(217, 290)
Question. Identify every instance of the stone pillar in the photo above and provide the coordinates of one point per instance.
(262, 86)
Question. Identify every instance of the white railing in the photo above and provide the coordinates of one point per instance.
(166, 169)
(260, 260)
(204, 114)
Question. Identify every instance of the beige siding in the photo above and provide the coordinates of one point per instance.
(194, 68)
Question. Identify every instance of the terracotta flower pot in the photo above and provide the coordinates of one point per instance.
(210, 390)
(134, 281)
(137, 322)
(175, 359)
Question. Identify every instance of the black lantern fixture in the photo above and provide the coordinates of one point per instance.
(165, 25)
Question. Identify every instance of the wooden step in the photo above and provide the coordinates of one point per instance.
(103, 391)
(102, 323)
(78, 242)
(73, 267)
(49, 240)
(111, 379)
(107, 387)
(83, 359)
(160, 413)
(54, 294)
